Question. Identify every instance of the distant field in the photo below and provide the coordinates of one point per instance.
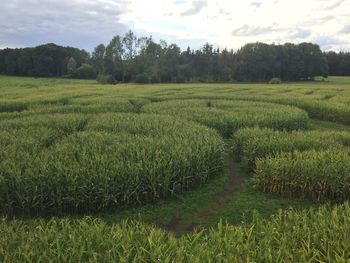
(328, 100)
(177, 157)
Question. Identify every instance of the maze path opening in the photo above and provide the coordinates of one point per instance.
(217, 204)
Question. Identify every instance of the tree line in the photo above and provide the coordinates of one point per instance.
(48, 60)
(131, 59)
(338, 63)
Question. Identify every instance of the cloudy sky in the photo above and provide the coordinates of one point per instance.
(224, 23)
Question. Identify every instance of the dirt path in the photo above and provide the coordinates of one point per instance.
(219, 202)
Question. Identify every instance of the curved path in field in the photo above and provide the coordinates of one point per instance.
(221, 199)
(218, 202)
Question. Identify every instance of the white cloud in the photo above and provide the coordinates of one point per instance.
(232, 23)
(81, 23)
(225, 23)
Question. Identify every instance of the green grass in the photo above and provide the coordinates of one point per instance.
(328, 126)
(180, 206)
(249, 200)
(183, 207)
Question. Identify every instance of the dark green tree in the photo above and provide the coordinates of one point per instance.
(97, 58)
(71, 66)
(25, 62)
(85, 71)
(256, 62)
(113, 63)
(315, 63)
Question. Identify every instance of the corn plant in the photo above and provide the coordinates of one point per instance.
(318, 175)
(227, 116)
(53, 164)
(315, 235)
(251, 143)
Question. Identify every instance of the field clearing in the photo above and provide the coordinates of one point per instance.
(155, 154)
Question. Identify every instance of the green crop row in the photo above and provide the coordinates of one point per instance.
(336, 111)
(75, 105)
(53, 164)
(92, 105)
(320, 109)
(251, 143)
(12, 106)
(94, 108)
(320, 235)
(318, 175)
(316, 108)
(227, 116)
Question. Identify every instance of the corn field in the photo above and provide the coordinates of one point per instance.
(70, 147)
(54, 164)
(318, 175)
(251, 143)
(227, 116)
(315, 235)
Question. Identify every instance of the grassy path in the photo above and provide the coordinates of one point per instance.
(236, 200)
(218, 202)
(230, 197)
(328, 125)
